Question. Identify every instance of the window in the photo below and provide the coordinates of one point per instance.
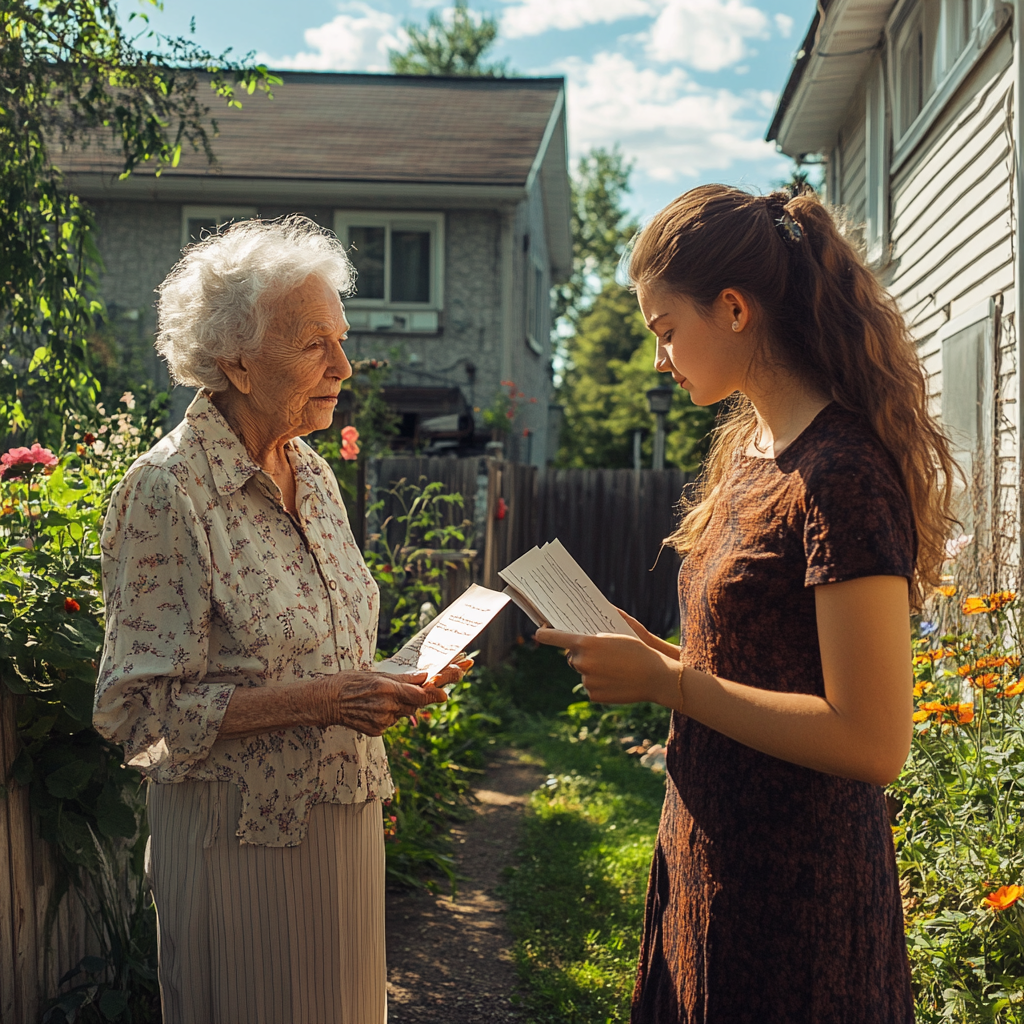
(537, 306)
(876, 165)
(968, 407)
(399, 260)
(934, 44)
(198, 219)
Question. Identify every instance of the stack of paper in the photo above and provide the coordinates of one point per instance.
(447, 635)
(554, 591)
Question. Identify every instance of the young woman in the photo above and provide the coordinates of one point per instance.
(819, 524)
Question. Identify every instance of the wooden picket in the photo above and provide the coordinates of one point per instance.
(34, 950)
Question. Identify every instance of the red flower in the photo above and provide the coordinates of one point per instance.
(349, 448)
(34, 456)
(71, 605)
(89, 439)
(501, 510)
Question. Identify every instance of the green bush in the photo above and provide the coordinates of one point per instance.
(959, 838)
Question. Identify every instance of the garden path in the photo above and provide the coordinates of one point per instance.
(450, 961)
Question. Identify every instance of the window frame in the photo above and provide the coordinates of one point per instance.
(345, 219)
(876, 163)
(535, 293)
(987, 19)
(220, 214)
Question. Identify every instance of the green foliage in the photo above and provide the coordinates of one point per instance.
(606, 351)
(69, 75)
(960, 832)
(452, 44)
(576, 896)
(601, 229)
(435, 758)
(604, 392)
(404, 557)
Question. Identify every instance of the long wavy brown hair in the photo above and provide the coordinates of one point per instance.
(821, 313)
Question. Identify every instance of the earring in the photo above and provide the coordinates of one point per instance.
(735, 325)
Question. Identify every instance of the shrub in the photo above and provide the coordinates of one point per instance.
(959, 839)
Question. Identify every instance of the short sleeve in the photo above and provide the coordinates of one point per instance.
(858, 520)
(150, 694)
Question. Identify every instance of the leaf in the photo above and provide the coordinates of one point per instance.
(93, 964)
(113, 1003)
(70, 780)
(77, 695)
(116, 819)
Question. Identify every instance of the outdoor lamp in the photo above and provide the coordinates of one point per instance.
(659, 400)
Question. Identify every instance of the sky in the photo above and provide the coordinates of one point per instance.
(686, 88)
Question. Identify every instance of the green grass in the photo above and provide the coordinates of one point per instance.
(576, 894)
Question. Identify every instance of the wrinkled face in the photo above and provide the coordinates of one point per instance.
(295, 379)
(707, 352)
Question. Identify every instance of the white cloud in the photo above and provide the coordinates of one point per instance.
(532, 17)
(705, 34)
(784, 23)
(671, 126)
(358, 40)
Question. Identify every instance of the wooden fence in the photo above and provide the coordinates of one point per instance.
(34, 951)
(612, 521)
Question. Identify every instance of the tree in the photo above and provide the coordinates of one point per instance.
(601, 230)
(69, 75)
(453, 45)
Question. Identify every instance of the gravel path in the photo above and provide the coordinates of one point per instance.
(450, 962)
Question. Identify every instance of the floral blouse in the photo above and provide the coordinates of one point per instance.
(210, 584)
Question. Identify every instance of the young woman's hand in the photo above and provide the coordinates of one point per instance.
(619, 669)
(671, 650)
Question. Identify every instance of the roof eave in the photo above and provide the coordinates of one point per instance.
(840, 44)
(551, 168)
(214, 188)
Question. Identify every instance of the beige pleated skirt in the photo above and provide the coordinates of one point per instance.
(266, 935)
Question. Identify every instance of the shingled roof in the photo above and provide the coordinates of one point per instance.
(386, 128)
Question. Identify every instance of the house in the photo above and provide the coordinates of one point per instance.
(913, 107)
(454, 193)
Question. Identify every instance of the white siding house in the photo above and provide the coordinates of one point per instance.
(911, 106)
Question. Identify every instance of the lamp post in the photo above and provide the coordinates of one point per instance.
(659, 400)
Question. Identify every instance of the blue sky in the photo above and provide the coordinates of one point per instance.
(685, 87)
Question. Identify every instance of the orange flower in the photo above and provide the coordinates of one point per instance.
(933, 655)
(1004, 897)
(921, 686)
(988, 602)
(71, 605)
(964, 713)
(946, 591)
(986, 681)
(1014, 688)
(929, 708)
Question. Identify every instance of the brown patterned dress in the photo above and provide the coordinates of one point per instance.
(773, 896)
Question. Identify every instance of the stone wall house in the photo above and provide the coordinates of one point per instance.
(455, 194)
(914, 108)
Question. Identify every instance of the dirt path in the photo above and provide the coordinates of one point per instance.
(449, 962)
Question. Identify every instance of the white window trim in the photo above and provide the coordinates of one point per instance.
(343, 219)
(876, 177)
(220, 214)
(993, 18)
(535, 343)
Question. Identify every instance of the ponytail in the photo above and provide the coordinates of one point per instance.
(823, 315)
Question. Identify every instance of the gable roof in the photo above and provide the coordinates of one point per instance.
(335, 138)
(352, 127)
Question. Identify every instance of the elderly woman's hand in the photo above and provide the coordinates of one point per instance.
(371, 702)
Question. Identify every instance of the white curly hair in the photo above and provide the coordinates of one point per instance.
(217, 301)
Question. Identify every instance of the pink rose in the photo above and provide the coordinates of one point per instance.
(34, 456)
(349, 447)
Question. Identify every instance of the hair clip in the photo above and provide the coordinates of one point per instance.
(791, 231)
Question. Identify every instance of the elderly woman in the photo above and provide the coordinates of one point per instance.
(241, 628)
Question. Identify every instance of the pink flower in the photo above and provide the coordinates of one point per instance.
(349, 447)
(34, 456)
